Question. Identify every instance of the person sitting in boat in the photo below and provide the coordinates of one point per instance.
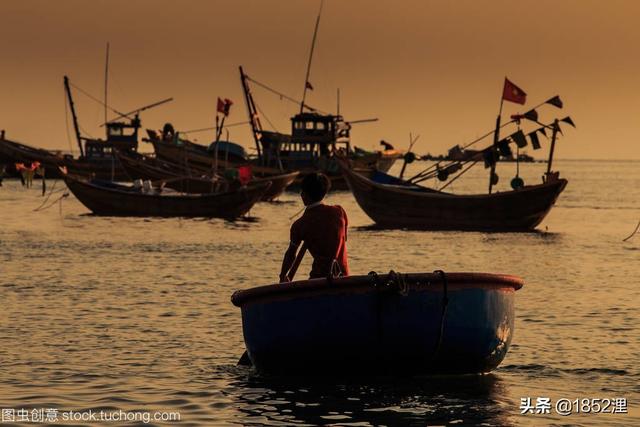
(322, 228)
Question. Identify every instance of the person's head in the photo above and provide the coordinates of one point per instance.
(314, 187)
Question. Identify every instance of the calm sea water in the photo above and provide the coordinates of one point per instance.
(134, 314)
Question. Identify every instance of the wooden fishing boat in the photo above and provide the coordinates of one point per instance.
(313, 143)
(193, 179)
(387, 324)
(110, 199)
(12, 152)
(99, 165)
(396, 203)
(190, 154)
(416, 207)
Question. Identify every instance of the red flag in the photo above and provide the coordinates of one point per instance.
(227, 106)
(224, 106)
(513, 93)
(244, 174)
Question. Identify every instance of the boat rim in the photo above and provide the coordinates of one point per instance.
(364, 283)
(430, 192)
(119, 189)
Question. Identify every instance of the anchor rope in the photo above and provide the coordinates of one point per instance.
(59, 199)
(632, 234)
(48, 196)
(42, 206)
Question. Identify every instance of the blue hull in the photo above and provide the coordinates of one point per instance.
(356, 326)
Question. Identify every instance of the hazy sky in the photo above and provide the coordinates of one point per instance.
(434, 68)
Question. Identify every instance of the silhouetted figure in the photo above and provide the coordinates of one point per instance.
(386, 145)
(322, 228)
(168, 132)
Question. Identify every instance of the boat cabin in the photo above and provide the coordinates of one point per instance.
(120, 135)
(313, 137)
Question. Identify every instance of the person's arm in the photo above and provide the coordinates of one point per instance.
(287, 261)
(346, 223)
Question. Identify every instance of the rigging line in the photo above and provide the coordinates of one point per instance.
(213, 127)
(484, 136)
(459, 175)
(266, 118)
(85, 132)
(435, 165)
(95, 99)
(433, 170)
(282, 95)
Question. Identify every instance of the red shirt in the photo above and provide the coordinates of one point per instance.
(323, 229)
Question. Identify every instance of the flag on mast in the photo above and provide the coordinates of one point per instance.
(513, 93)
(224, 106)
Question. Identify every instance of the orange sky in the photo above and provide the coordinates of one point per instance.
(434, 68)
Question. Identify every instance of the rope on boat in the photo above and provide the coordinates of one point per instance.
(59, 199)
(632, 234)
(47, 198)
(42, 206)
(282, 95)
(445, 303)
(397, 281)
(458, 176)
(93, 98)
(267, 118)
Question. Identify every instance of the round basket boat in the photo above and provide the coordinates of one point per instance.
(387, 324)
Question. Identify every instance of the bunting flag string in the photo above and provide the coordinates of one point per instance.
(531, 115)
(535, 142)
(519, 138)
(556, 125)
(568, 121)
(555, 101)
(543, 130)
(504, 149)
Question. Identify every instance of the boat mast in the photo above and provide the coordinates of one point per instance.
(106, 82)
(313, 44)
(73, 115)
(554, 136)
(496, 137)
(254, 119)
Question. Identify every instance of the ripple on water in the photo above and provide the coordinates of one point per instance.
(130, 314)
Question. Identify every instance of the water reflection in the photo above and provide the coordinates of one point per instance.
(467, 400)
